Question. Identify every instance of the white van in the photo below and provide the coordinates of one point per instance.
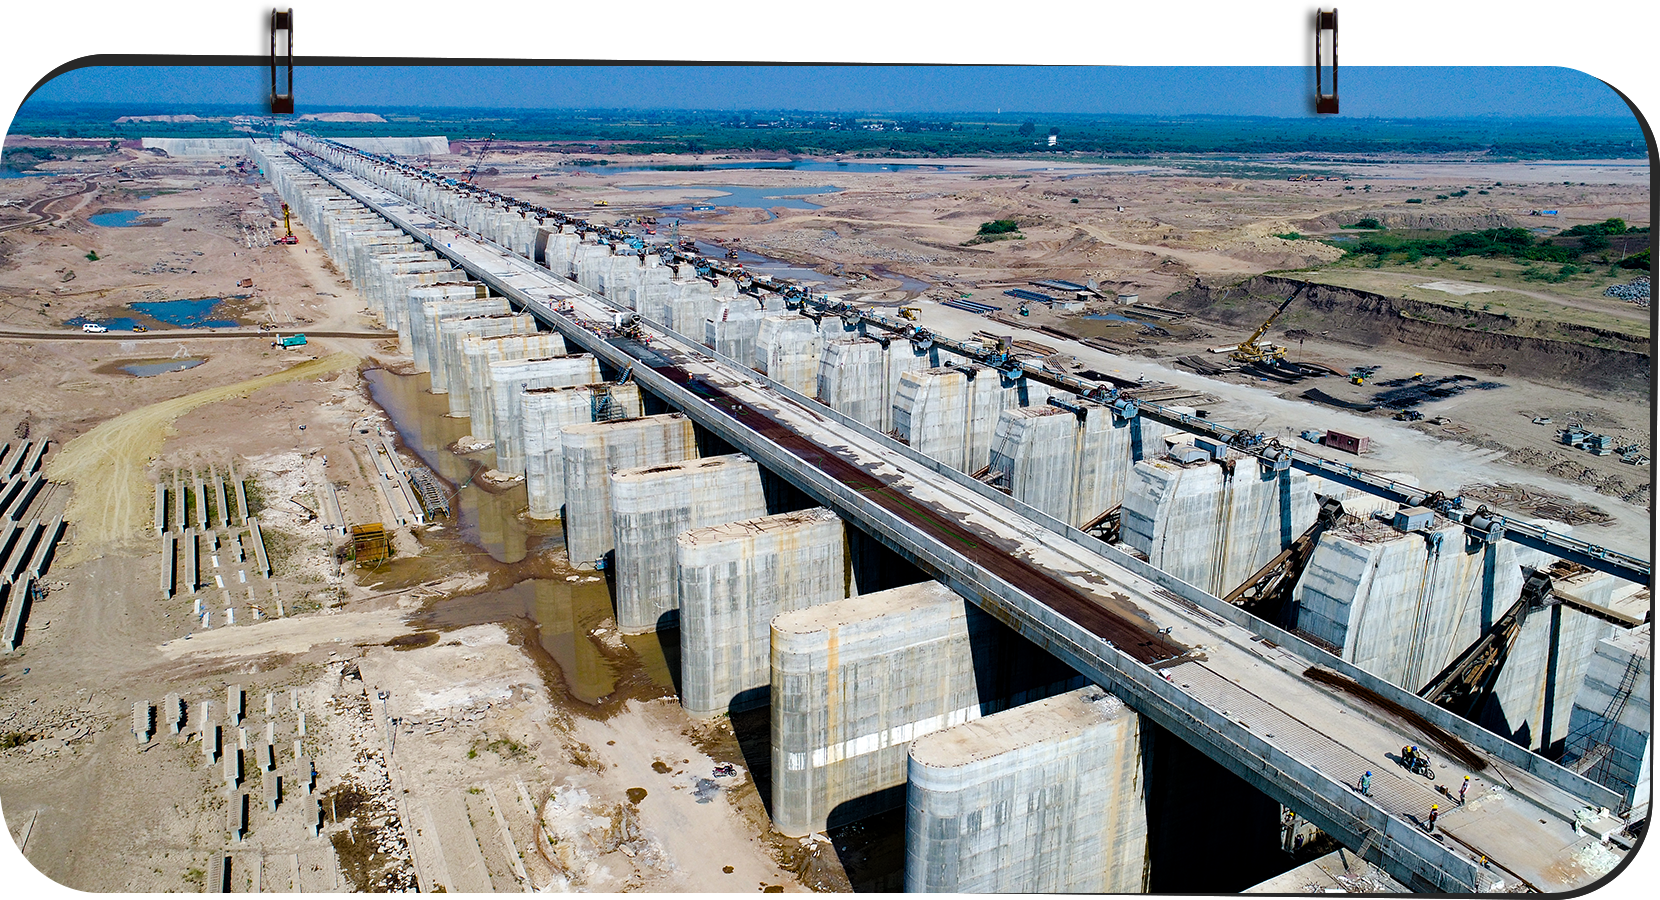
(93, 328)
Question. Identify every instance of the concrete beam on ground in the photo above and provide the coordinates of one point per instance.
(262, 563)
(19, 595)
(192, 547)
(219, 495)
(241, 495)
(169, 565)
(161, 508)
(15, 464)
(31, 463)
(203, 523)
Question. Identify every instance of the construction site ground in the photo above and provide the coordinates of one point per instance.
(480, 724)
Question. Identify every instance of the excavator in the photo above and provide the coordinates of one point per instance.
(288, 229)
(1250, 351)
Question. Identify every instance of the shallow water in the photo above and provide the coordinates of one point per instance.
(148, 369)
(192, 313)
(119, 218)
(488, 519)
(566, 613)
(746, 196)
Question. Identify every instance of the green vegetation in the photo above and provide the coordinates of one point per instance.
(590, 132)
(1493, 243)
(1001, 226)
(92, 255)
(11, 740)
(1289, 236)
(1414, 200)
(1367, 222)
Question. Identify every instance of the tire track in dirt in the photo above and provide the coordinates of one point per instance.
(111, 499)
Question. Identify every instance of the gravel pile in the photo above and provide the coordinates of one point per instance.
(1636, 292)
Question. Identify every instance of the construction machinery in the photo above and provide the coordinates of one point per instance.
(1268, 591)
(288, 229)
(909, 313)
(1361, 374)
(472, 171)
(1251, 351)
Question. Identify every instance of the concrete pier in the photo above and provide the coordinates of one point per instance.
(1045, 799)
(430, 302)
(546, 412)
(733, 579)
(855, 681)
(789, 348)
(477, 353)
(592, 451)
(950, 413)
(1212, 528)
(733, 326)
(1610, 738)
(650, 505)
(509, 379)
(1073, 466)
(448, 367)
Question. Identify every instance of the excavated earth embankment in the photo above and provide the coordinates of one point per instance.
(1547, 351)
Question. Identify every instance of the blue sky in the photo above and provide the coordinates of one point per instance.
(1268, 91)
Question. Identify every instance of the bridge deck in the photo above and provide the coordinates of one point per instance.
(1519, 821)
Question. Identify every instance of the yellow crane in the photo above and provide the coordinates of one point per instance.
(1250, 351)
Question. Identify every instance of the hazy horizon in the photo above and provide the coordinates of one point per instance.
(1271, 92)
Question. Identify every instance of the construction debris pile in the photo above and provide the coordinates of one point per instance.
(1531, 499)
(1636, 292)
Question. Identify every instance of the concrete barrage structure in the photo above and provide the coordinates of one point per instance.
(478, 352)
(789, 349)
(1073, 466)
(546, 412)
(950, 412)
(1044, 799)
(592, 451)
(1214, 525)
(855, 681)
(650, 506)
(1610, 737)
(1404, 604)
(449, 367)
(429, 303)
(509, 379)
(733, 580)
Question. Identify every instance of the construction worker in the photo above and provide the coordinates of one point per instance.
(1434, 813)
(1462, 789)
(1366, 784)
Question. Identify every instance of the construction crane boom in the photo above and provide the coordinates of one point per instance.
(1250, 351)
(472, 171)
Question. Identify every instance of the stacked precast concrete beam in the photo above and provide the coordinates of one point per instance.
(650, 506)
(1044, 799)
(546, 412)
(855, 681)
(1212, 525)
(733, 580)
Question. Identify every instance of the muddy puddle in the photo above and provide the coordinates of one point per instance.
(489, 519)
(566, 614)
(571, 627)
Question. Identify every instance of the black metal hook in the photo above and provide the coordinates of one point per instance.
(282, 21)
(1324, 102)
